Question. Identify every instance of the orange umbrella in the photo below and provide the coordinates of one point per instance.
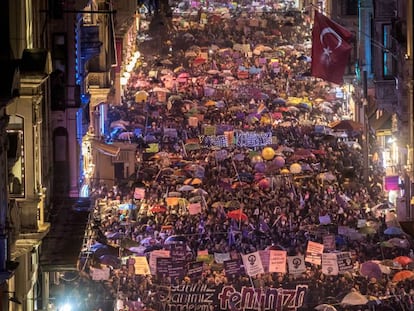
(193, 181)
(172, 201)
(239, 184)
(237, 215)
(199, 61)
(403, 260)
(158, 209)
(402, 275)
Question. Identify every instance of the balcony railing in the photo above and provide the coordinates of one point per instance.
(99, 79)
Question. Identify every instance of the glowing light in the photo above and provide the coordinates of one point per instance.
(66, 307)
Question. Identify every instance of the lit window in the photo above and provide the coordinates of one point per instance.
(387, 56)
(15, 156)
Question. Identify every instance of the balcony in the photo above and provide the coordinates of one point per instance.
(98, 79)
(90, 44)
(386, 95)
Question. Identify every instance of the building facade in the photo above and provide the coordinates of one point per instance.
(382, 89)
(25, 191)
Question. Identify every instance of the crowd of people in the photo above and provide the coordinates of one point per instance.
(240, 127)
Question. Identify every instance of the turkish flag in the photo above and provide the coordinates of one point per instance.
(330, 49)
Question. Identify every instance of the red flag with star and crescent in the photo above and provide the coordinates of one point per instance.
(330, 49)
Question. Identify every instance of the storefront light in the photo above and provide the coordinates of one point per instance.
(124, 81)
(130, 67)
(137, 55)
(391, 140)
(127, 74)
(66, 307)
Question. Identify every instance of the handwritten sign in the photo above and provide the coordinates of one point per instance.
(314, 252)
(277, 261)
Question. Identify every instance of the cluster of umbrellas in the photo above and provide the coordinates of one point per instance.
(228, 84)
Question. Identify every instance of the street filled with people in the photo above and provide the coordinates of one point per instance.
(251, 189)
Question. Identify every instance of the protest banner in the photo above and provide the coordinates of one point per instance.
(232, 268)
(141, 265)
(296, 264)
(221, 257)
(252, 264)
(164, 265)
(345, 262)
(195, 270)
(264, 257)
(329, 242)
(99, 274)
(329, 264)
(277, 261)
(153, 258)
(314, 253)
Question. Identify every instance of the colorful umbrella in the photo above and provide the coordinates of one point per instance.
(110, 260)
(158, 209)
(402, 275)
(325, 307)
(403, 260)
(393, 231)
(371, 269)
(237, 214)
(401, 243)
(354, 298)
(186, 188)
(193, 181)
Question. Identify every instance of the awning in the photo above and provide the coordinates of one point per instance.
(107, 149)
(382, 123)
(61, 247)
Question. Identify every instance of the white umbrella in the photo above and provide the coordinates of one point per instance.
(325, 307)
(173, 194)
(354, 298)
(200, 191)
(186, 188)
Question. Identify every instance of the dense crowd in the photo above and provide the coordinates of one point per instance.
(282, 205)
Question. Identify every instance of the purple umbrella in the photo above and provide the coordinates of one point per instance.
(110, 260)
(371, 269)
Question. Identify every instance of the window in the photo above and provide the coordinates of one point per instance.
(387, 55)
(15, 157)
